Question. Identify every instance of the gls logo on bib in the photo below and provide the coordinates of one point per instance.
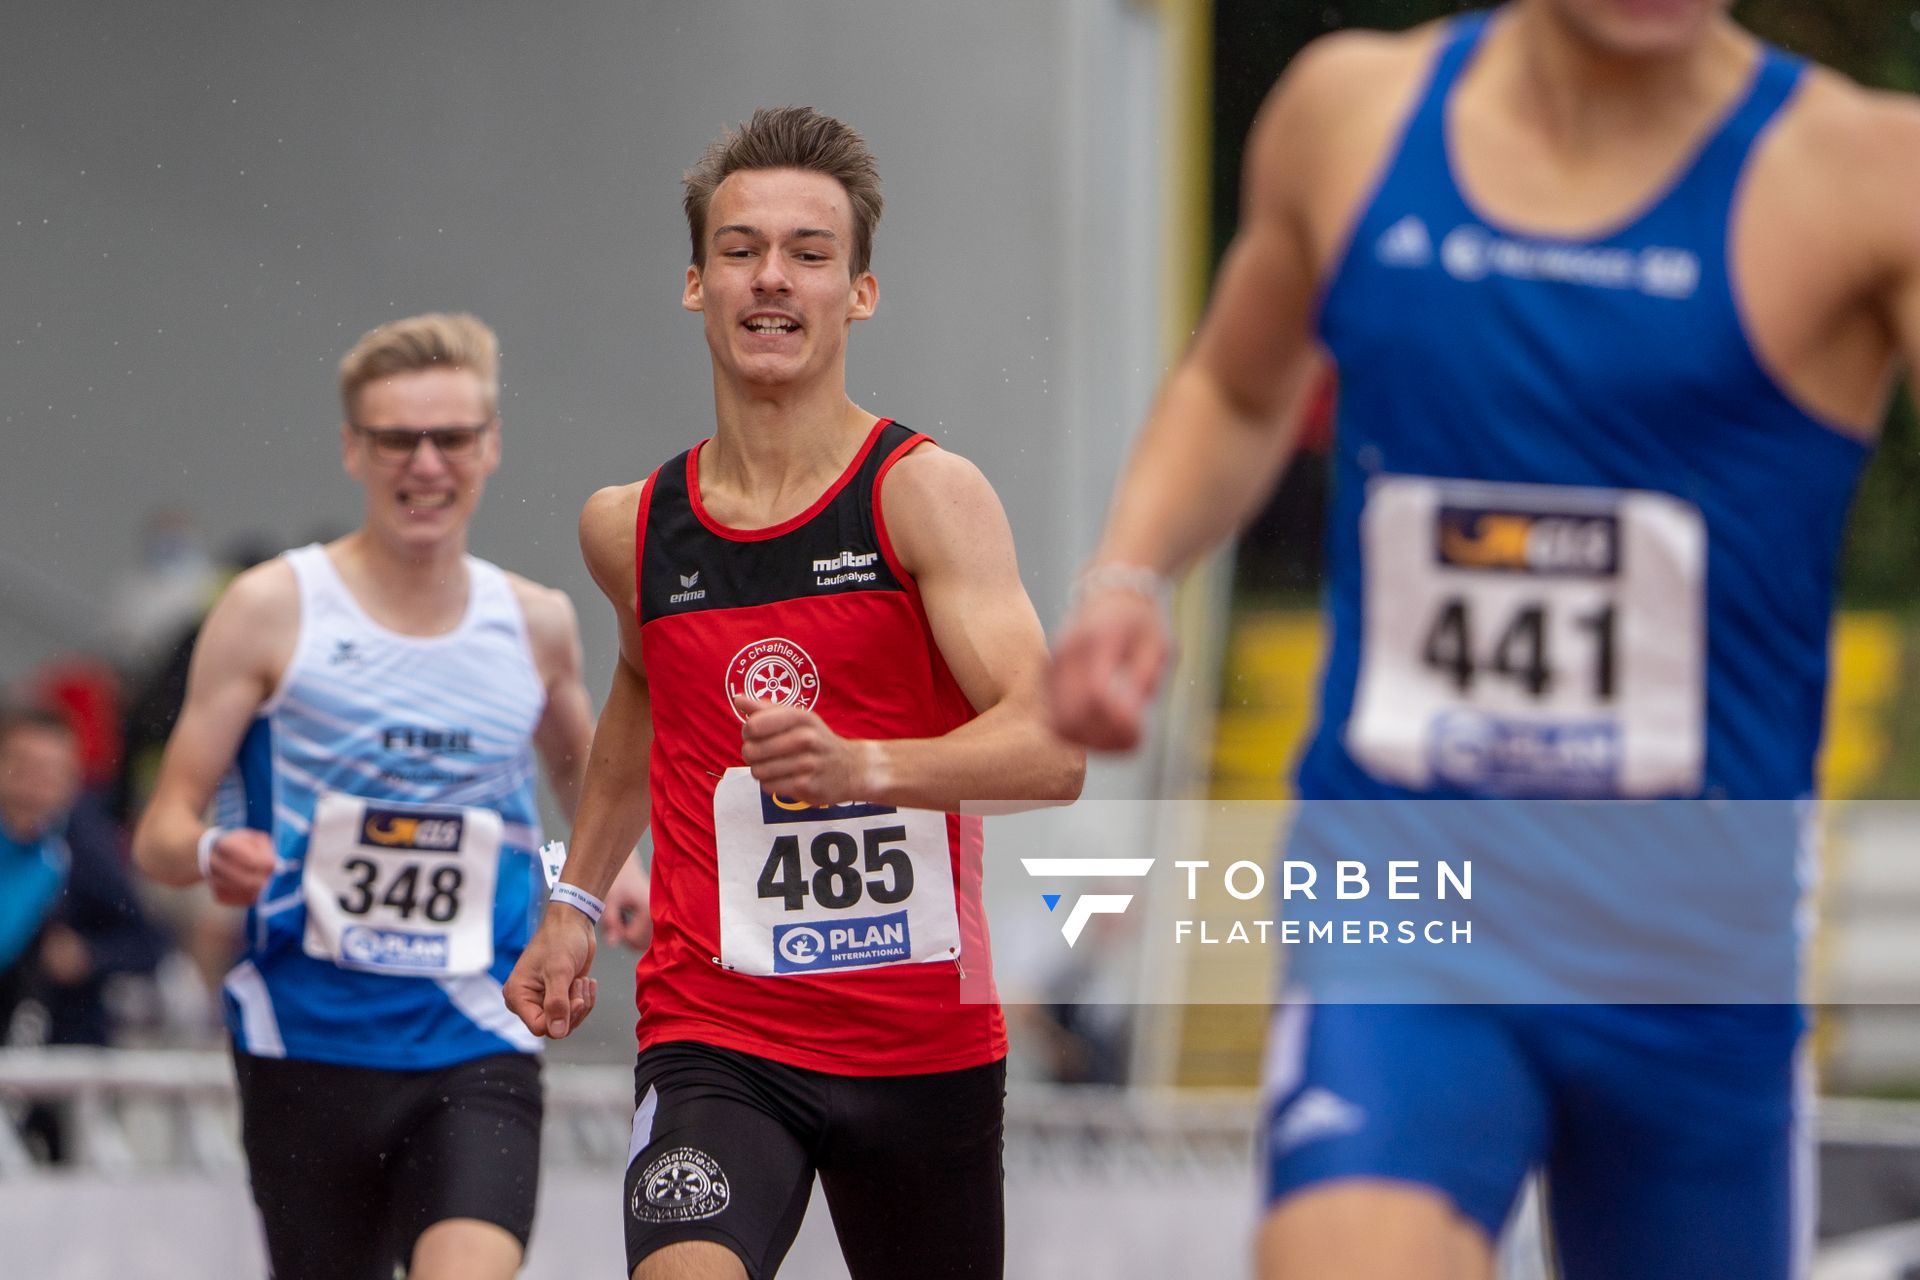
(390, 829)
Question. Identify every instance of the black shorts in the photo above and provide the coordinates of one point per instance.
(726, 1145)
(351, 1164)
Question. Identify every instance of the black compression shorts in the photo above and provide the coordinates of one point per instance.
(350, 1164)
(726, 1145)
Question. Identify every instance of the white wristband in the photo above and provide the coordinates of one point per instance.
(203, 852)
(579, 899)
(1135, 579)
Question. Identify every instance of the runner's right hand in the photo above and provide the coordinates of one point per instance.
(1107, 667)
(549, 989)
(242, 862)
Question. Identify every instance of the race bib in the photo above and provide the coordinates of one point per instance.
(1531, 639)
(830, 889)
(401, 888)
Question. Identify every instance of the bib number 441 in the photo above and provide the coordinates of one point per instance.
(839, 864)
(1523, 651)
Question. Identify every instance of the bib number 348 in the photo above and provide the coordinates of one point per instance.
(399, 888)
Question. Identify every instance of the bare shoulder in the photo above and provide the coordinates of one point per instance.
(608, 535)
(254, 625)
(1836, 123)
(1858, 151)
(553, 626)
(932, 483)
(1344, 78)
(1345, 66)
(1323, 134)
(263, 599)
(939, 505)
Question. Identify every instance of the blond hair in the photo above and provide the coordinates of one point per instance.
(789, 138)
(434, 340)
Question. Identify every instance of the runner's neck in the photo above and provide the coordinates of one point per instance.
(412, 592)
(1579, 94)
(761, 469)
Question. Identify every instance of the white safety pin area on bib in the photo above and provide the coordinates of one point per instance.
(553, 859)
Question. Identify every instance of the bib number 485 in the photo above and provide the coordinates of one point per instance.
(836, 881)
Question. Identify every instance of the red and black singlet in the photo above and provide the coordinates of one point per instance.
(834, 939)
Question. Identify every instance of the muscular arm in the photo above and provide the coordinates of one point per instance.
(1896, 128)
(549, 989)
(952, 536)
(614, 804)
(245, 644)
(1222, 428)
(566, 727)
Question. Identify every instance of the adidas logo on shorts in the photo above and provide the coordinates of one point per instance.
(1317, 1113)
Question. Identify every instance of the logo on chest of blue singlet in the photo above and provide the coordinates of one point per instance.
(1471, 253)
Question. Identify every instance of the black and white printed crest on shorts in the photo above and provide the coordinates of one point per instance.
(681, 1185)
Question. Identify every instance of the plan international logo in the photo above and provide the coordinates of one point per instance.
(1087, 905)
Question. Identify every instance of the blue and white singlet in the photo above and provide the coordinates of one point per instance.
(396, 776)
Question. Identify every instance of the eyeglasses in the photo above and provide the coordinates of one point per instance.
(399, 444)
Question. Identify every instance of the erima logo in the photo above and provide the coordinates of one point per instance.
(691, 589)
(1091, 904)
(1405, 244)
(1317, 1113)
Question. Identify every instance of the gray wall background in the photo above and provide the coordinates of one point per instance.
(204, 204)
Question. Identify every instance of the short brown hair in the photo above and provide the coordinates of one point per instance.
(454, 340)
(789, 138)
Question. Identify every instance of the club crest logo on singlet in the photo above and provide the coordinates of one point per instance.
(774, 670)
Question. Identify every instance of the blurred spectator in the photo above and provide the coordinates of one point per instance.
(87, 692)
(172, 587)
(1074, 1006)
(158, 686)
(68, 916)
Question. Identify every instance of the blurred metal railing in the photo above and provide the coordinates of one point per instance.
(171, 1108)
(134, 1109)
